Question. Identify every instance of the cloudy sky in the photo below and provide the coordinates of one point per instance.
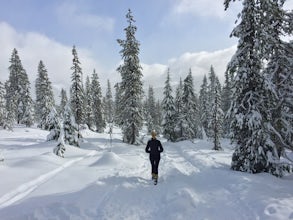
(175, 34)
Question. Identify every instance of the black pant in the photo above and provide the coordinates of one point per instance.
(155, 160)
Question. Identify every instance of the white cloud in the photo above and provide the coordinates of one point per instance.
(33, 47)
(203, 8)
(199, 63)
(73, 15)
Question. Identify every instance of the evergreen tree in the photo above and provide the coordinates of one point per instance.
(118, 105)
(89, 117)
(70, 127)
(150, 110)
(60, 149)
(213, 87)
(179, 116)
(279, 71)
(216, 120)
(76, 91)
(54, 125)
(131, 85)
(158, 117)
(190, 120)
(109, 104)
(63, 102)
(250, 108)
(2, 106)
(226, 102)
(204, 107)
(44, 96)
(97, 107)
(19, 101)
(10, 108)
(169, 112)
(276, 22)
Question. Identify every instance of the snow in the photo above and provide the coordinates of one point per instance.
(111, 180)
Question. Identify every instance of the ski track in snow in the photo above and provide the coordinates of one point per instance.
(23, 190)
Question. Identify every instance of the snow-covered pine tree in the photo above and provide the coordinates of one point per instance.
(278, 72)
(60, 149)
(10, 106)
(204, 107)
(158, 117)
(63, 102)
(131, 85)
(150, 110)
(189, 99)
(19, 101)
(29, 111)
(2, 106)
(226, 102)
(88, 108)
(179, 116)
(97, 107)
(214, 84)
(76, 91)
(70, 127)
(215, 113)
(255, 151)
(109, 104)
(117, 105)
(169, 112)
(53, 123)
(216, 120)
(26, 105)
(44, 96)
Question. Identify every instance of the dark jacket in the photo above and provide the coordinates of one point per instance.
(154, 147)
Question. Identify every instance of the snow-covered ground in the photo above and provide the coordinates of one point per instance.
(104, 180)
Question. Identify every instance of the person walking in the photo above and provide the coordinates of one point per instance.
(154, 148)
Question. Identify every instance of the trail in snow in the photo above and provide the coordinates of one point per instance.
(23, 190)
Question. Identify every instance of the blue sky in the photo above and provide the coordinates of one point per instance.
(179, 34)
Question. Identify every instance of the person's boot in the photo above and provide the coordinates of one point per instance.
(153, 176)
(156, 179)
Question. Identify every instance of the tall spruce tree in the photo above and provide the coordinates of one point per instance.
(150, 110)
(204, 107)
(76, 91)
(19, 101)
(117, 105)
(226, 102)
(277, 22)
(44, 96)
(250, 108)
(63, 102)
(216, 120)
(131, 84)
(189, 99)
(213, 87)
(169, 112)
(88, 104)
(109, 104)
(2, 105)
(97, 107)
(179, 116)
(158, 116)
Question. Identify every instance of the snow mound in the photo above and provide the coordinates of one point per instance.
(108, 159)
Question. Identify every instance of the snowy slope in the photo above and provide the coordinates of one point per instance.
(104, 180)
